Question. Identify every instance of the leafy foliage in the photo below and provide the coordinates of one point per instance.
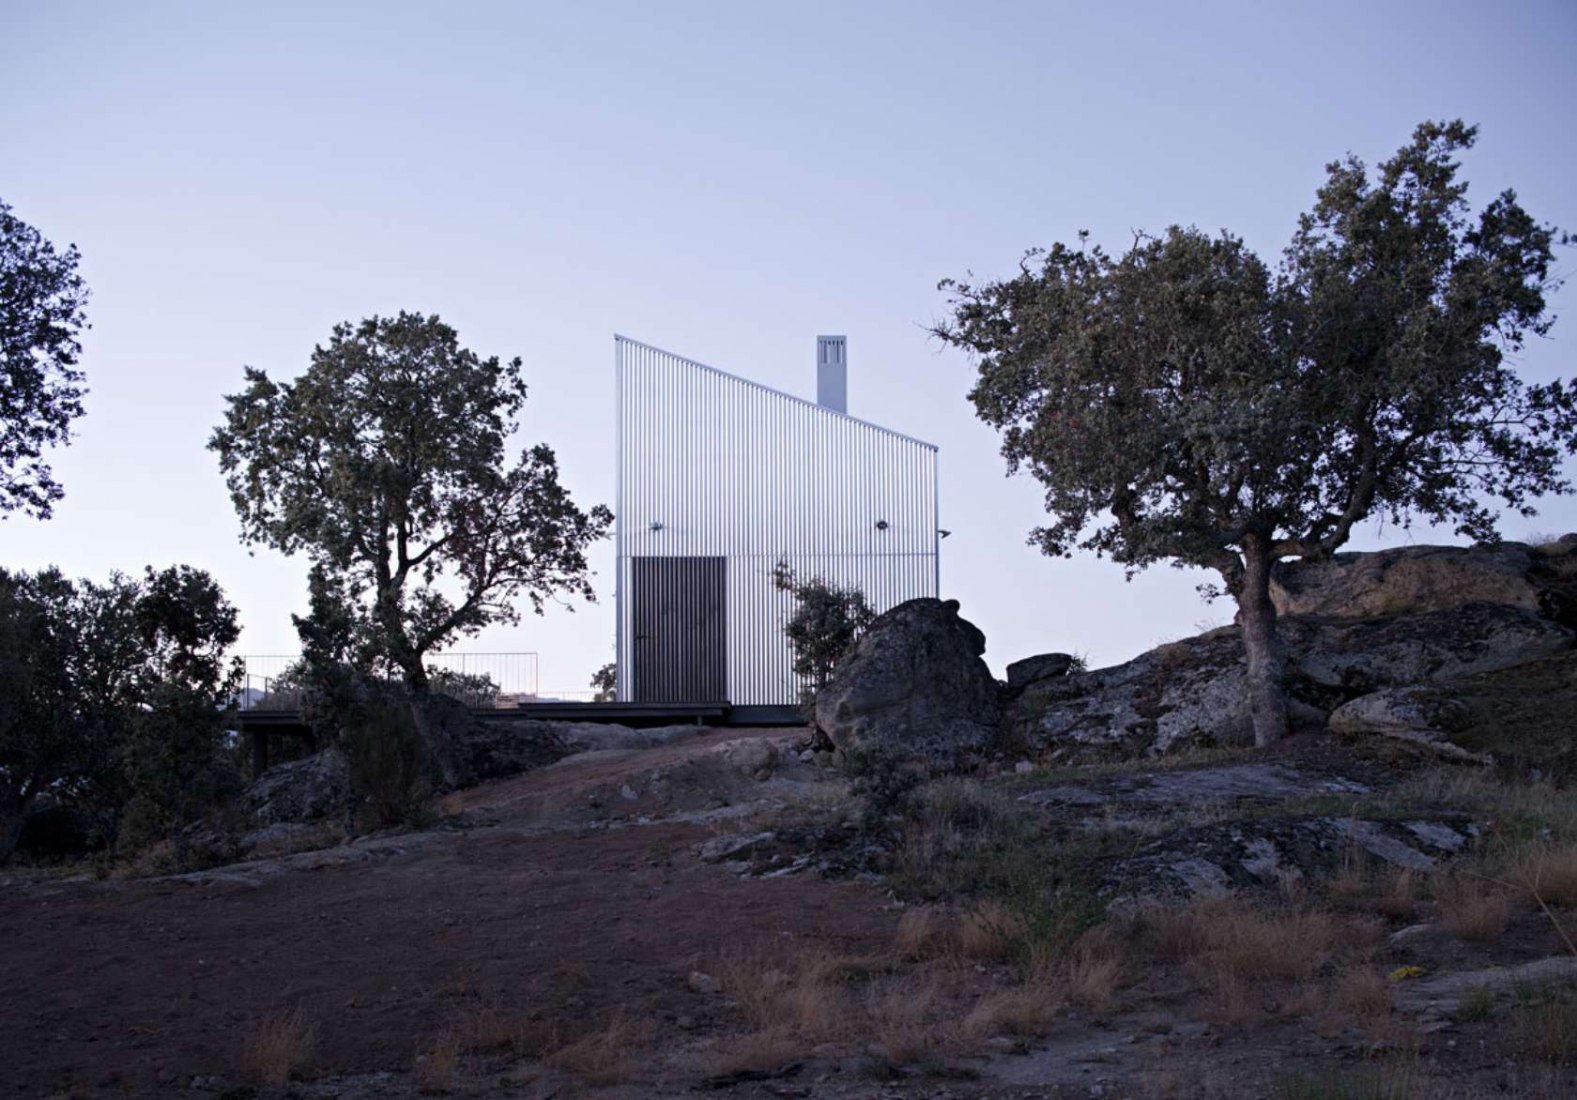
(605, 682)
(41, 313)
(1186, 402)
(115, 696)
(826, 621)
(390, 764)
(385, 463)
(177, 759)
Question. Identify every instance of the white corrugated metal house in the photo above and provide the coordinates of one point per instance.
(720, 478)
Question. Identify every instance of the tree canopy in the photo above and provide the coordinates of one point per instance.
(386, 463)
(1186, 401)
(41, 314)
(825, 623)
(114, 695)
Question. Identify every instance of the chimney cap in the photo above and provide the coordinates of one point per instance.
(832, 373)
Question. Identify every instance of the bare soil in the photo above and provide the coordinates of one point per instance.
(543, 940)
(130, 987)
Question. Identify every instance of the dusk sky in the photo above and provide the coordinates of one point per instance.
(723, 180)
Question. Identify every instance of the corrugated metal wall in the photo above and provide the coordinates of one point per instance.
(713, 465)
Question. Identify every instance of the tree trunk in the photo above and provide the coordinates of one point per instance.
(1267, 662)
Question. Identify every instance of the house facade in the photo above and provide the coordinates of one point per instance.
(720, 479)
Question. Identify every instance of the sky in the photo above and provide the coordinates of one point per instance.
(722, 180)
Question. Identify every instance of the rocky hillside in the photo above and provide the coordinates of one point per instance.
(1423, 643)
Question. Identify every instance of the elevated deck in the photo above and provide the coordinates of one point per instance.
(261, 723)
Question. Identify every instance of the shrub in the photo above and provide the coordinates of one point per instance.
(390, 766)
(606, 1057)
(825, 623)
(278, 1048)
(116, 694)
(960, 839)
(1471, 908)
(884, 781)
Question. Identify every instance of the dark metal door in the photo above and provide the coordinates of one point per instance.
(680, 630)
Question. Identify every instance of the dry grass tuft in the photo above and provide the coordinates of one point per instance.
(1365, 994)
(1471, 908)
(990, 931)
(1546, 1030)
(1399, 894)
(1027, 1009)
(1235, 1003)
(1350, 885)
(805, 1001)
(436, 1067)
(1173, 935)
(922, 933)
(1252, 943)
(1091, 975)
(755, 1052)
(279, 1047)
(606, 1057)
(1550, 873)
(900, 1015)
(485, 1028)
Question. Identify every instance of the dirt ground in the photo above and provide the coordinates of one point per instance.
(544, 939)
(131, 987)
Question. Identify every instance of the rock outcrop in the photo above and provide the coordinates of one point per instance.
(301, 790)
(1422, 716)
(1413, 579)
(914, 684)
(1191, 692)
(1039, 667)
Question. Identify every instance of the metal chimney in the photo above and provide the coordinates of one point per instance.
(832, 373)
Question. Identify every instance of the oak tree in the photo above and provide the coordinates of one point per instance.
(114, 695)
(1187, 401)
(41, 314)
(386, 463)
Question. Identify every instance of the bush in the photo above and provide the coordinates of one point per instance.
(826, 622)
(392, 771)
(115, 695)
(884, 780)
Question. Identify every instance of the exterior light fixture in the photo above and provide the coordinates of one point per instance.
(881, 525)
(944, 532)
(657, 525)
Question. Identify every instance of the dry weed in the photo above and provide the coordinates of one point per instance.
(901, 1013)
(805, 1002)
(922, 933)
(436, 1067)
(1399, 894)
(1472, 908)
(755, 1052)
(1091, 975)
(1235, 1003)
(1366, 995)
(1027, 1009)
(279, 1047)
(990, 931)
(1362, 933)
(1546, 1030)
(606, 1057)
(1252, 943)
(1550, 873)
(484, 1028)
(1304, 1000)
(1174, 935)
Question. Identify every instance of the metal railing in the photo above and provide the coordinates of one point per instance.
(483, 681)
